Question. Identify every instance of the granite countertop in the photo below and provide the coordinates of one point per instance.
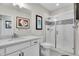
(8, 42)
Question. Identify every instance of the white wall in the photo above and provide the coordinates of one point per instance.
(37, 10)
(13, 12)
(10, 11)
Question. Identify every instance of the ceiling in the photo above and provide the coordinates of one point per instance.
(53, 6)
(48, 6)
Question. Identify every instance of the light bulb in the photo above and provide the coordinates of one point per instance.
(19, 4)
(14, 4)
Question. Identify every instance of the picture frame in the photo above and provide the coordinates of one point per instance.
(22, 23)
(38, 22)
(8, 24)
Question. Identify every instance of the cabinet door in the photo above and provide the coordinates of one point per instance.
(34, 50)
(2, 53)
(26, 51)
(31, 51)
(14, 54)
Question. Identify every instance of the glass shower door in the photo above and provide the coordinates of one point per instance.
(65, 35)
(61, 35)
(50, 33)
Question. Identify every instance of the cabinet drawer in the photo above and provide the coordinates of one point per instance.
(2, 52)
(34, 42)
(17, 47)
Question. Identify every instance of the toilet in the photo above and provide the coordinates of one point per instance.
(45, 49)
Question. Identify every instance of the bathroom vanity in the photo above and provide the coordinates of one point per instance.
(23, 46)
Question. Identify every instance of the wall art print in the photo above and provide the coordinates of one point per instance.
(23, 23)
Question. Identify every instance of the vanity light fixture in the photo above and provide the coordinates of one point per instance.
(14, 4)
(19, 4)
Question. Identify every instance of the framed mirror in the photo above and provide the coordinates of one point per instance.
(38, 22)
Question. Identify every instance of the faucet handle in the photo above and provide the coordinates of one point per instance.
(15, 35)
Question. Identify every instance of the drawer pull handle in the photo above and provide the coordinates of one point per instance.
(35, 42)
(20, 54)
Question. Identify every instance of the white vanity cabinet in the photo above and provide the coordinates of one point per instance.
(33, 50)
(2, 52)
(17, 53)
(26, 52)
(29, 48)
(13, 54)
(17, 47)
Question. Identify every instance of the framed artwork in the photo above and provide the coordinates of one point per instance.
(8, 24)
(38, 22)
(22, 22)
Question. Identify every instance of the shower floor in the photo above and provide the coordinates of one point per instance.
(60, 53)
(55, 52)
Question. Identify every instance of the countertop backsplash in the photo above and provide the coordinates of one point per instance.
(15, 35)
